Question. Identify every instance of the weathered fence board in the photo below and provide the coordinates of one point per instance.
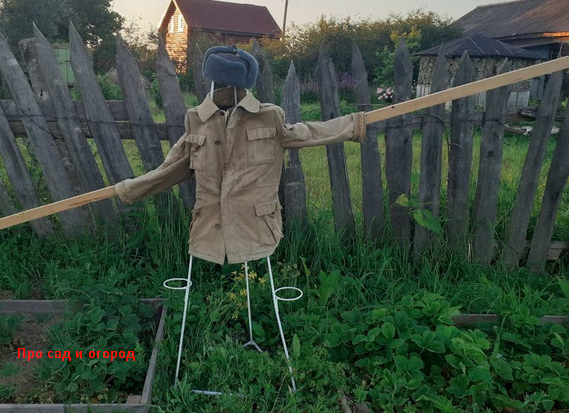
(102, 124)
(20, 176)
(45, 151)
(295, 187)
(175, 112)
(372, 182)
(523, 205)
(29, 51)
(200, 83)
(88, 172)
(556, 183)
(460, 160)
(399, 148)
(141, 121)
(6, 207)
(491, 149)
(339, 182)
(432, 159)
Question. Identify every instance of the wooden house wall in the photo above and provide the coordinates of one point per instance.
(176, 41)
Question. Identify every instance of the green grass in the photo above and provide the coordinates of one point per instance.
(371, 273)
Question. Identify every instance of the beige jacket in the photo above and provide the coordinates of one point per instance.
(237, 155)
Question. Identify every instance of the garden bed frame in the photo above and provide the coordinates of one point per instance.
(135, 403)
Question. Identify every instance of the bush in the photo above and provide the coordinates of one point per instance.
(111, 91)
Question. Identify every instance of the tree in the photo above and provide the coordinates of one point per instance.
(95, 20)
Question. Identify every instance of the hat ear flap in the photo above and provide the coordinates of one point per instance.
(253, 68)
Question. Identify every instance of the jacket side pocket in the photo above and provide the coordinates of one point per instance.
(261, 145)
(269, 222)
(198, 151)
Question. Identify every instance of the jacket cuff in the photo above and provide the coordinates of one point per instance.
(123, 193)
(360, 128)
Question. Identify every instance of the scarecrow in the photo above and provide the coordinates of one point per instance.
(235, 146)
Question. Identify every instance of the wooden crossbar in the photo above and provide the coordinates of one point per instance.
(371, 117)
(463, 91)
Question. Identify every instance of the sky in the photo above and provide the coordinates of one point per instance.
(305, 11)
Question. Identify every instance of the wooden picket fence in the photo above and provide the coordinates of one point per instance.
(58, 130)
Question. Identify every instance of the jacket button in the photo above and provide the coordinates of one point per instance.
(221, 112)
(218, 142)
(217, 226)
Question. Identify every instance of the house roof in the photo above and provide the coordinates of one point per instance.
(517, 17)
(223, 16)
(480, 46)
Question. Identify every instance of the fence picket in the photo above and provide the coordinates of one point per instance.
(523, 205)
(175, 111)
(81, 156)
(141, 121)
(372, 182)
(295, 187)
(20, 176)
(6, 207)
(399, 148)
(56, 177)
(488, 184)
(431, 159)
(460, 159)
(329, 102)
(556, 183)
(98, 114)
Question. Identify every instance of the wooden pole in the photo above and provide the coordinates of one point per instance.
(467, 90)
(371, 117)
(56, 207)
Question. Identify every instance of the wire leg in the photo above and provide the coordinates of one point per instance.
(251, 342)
(189, 284)
(276, 304)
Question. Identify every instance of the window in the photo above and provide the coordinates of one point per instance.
(180, 23)
(171, 26)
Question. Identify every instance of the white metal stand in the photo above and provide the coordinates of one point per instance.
(251, 342)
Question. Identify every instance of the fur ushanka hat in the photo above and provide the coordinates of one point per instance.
(230, 66)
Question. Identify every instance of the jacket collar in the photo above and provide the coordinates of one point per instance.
(224, 97)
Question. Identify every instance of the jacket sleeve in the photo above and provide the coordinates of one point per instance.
(174, 169)
(349, 127)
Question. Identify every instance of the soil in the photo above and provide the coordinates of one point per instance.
(33, 335)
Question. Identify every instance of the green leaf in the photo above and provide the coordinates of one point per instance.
(388, 331)
(480, 373)
(329, 283)
(296, 347)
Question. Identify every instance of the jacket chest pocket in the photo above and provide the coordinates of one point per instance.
(198, 151)
(269, 222)
(261, 145)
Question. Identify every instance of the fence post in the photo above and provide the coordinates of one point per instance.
(460, 159)
(523, 205)
(372, 183)
(488, 184)
(6, 207)
(556, 183)
(56, 177)
(399, 148)
(175, 111)
(329, 102)
(141, 121)
(101, 121)
(431, 158)
(29, 51)
(85, 165)
(20, 176)
(295, 187)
